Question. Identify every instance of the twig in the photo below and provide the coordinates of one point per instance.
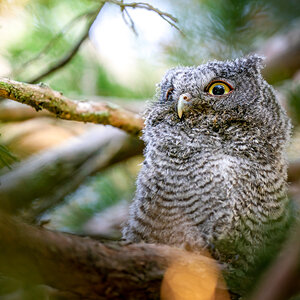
(130, 23)
(166, 16)
(72, 52)
(68, 57)
(52, 41)
(42, 97)
(61, 62)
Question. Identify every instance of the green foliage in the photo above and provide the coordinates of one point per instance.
(52, 29)
(106, 86)
(228, 28)
(46, 20)
(6, 157)
(293, 96)
(96, 194)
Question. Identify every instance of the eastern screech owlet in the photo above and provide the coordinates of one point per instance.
(215, 172)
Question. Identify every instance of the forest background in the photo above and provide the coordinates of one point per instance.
(79, 177)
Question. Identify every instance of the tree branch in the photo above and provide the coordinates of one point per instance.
(42, 97)
(85, 269)
(165, 16)
(45, 178)
(51, 43)
(282, 280)
(129, 22)
(11, 111)
(72, 52)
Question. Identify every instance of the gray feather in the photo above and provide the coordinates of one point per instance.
(216, 178)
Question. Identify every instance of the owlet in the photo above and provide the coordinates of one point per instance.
(215, 172)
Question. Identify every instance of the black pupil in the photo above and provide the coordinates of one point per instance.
(218, 90)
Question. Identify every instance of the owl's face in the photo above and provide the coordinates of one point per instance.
(224, 101)
(233, 88)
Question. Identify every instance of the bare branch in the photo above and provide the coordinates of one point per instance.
(42, 97)
(166, 16)
(72, 52)
(130, 23)
(116, 147)
(50, 44)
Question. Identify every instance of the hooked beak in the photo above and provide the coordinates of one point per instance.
(182, 103)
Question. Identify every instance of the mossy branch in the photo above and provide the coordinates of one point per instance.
(42, 97)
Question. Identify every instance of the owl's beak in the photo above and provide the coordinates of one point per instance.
(182, 103)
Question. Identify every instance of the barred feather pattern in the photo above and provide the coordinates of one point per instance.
(215, 178)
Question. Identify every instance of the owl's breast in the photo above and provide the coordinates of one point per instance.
(196, 188)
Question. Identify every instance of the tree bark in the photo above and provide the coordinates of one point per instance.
(11, 111)
(42, 97)
(85, 269)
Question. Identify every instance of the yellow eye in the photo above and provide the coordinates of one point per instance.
(219, 88)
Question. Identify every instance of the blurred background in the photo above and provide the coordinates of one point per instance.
(78, 177)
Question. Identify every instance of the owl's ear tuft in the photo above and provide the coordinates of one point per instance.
(164, 91)
(254, 63)
(165, 87)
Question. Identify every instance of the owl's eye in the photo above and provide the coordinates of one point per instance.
(219, 88)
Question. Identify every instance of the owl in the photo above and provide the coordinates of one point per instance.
(214, 174)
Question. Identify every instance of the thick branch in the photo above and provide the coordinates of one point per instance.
(86, 269)
(11, 111)
(52, 175)
(42, 97)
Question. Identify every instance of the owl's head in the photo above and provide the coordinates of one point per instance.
(217, 99)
